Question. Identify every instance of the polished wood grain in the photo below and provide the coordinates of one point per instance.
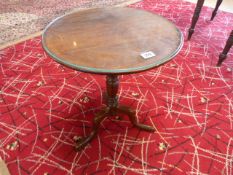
(110, 40)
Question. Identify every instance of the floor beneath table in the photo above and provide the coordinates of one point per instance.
(44, 106)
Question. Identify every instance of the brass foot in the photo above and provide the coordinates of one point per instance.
(118, 118)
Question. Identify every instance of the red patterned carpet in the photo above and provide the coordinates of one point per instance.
(189, 101)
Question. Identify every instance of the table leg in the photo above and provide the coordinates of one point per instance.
(195, 17)
(82, 142)
(226, 49)
(219, 2)
(132, 117)
(112, 109)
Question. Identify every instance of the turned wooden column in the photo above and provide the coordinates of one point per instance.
(112, 85)
(219, 2)
(195, 17)
(226, 49)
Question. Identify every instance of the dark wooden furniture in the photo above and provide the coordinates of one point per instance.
(226, 49)
(197, 13)
(110, 41)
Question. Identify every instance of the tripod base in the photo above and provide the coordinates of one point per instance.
(104, 113)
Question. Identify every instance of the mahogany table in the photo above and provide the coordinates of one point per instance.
(112, 41)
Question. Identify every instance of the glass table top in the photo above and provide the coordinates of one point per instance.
(112, 40)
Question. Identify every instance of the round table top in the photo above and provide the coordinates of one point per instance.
(112, 40)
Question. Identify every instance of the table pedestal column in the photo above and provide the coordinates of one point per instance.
(111, 109)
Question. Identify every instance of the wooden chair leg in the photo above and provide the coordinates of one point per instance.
(195, 17)
(219, 2)
(226, 49)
